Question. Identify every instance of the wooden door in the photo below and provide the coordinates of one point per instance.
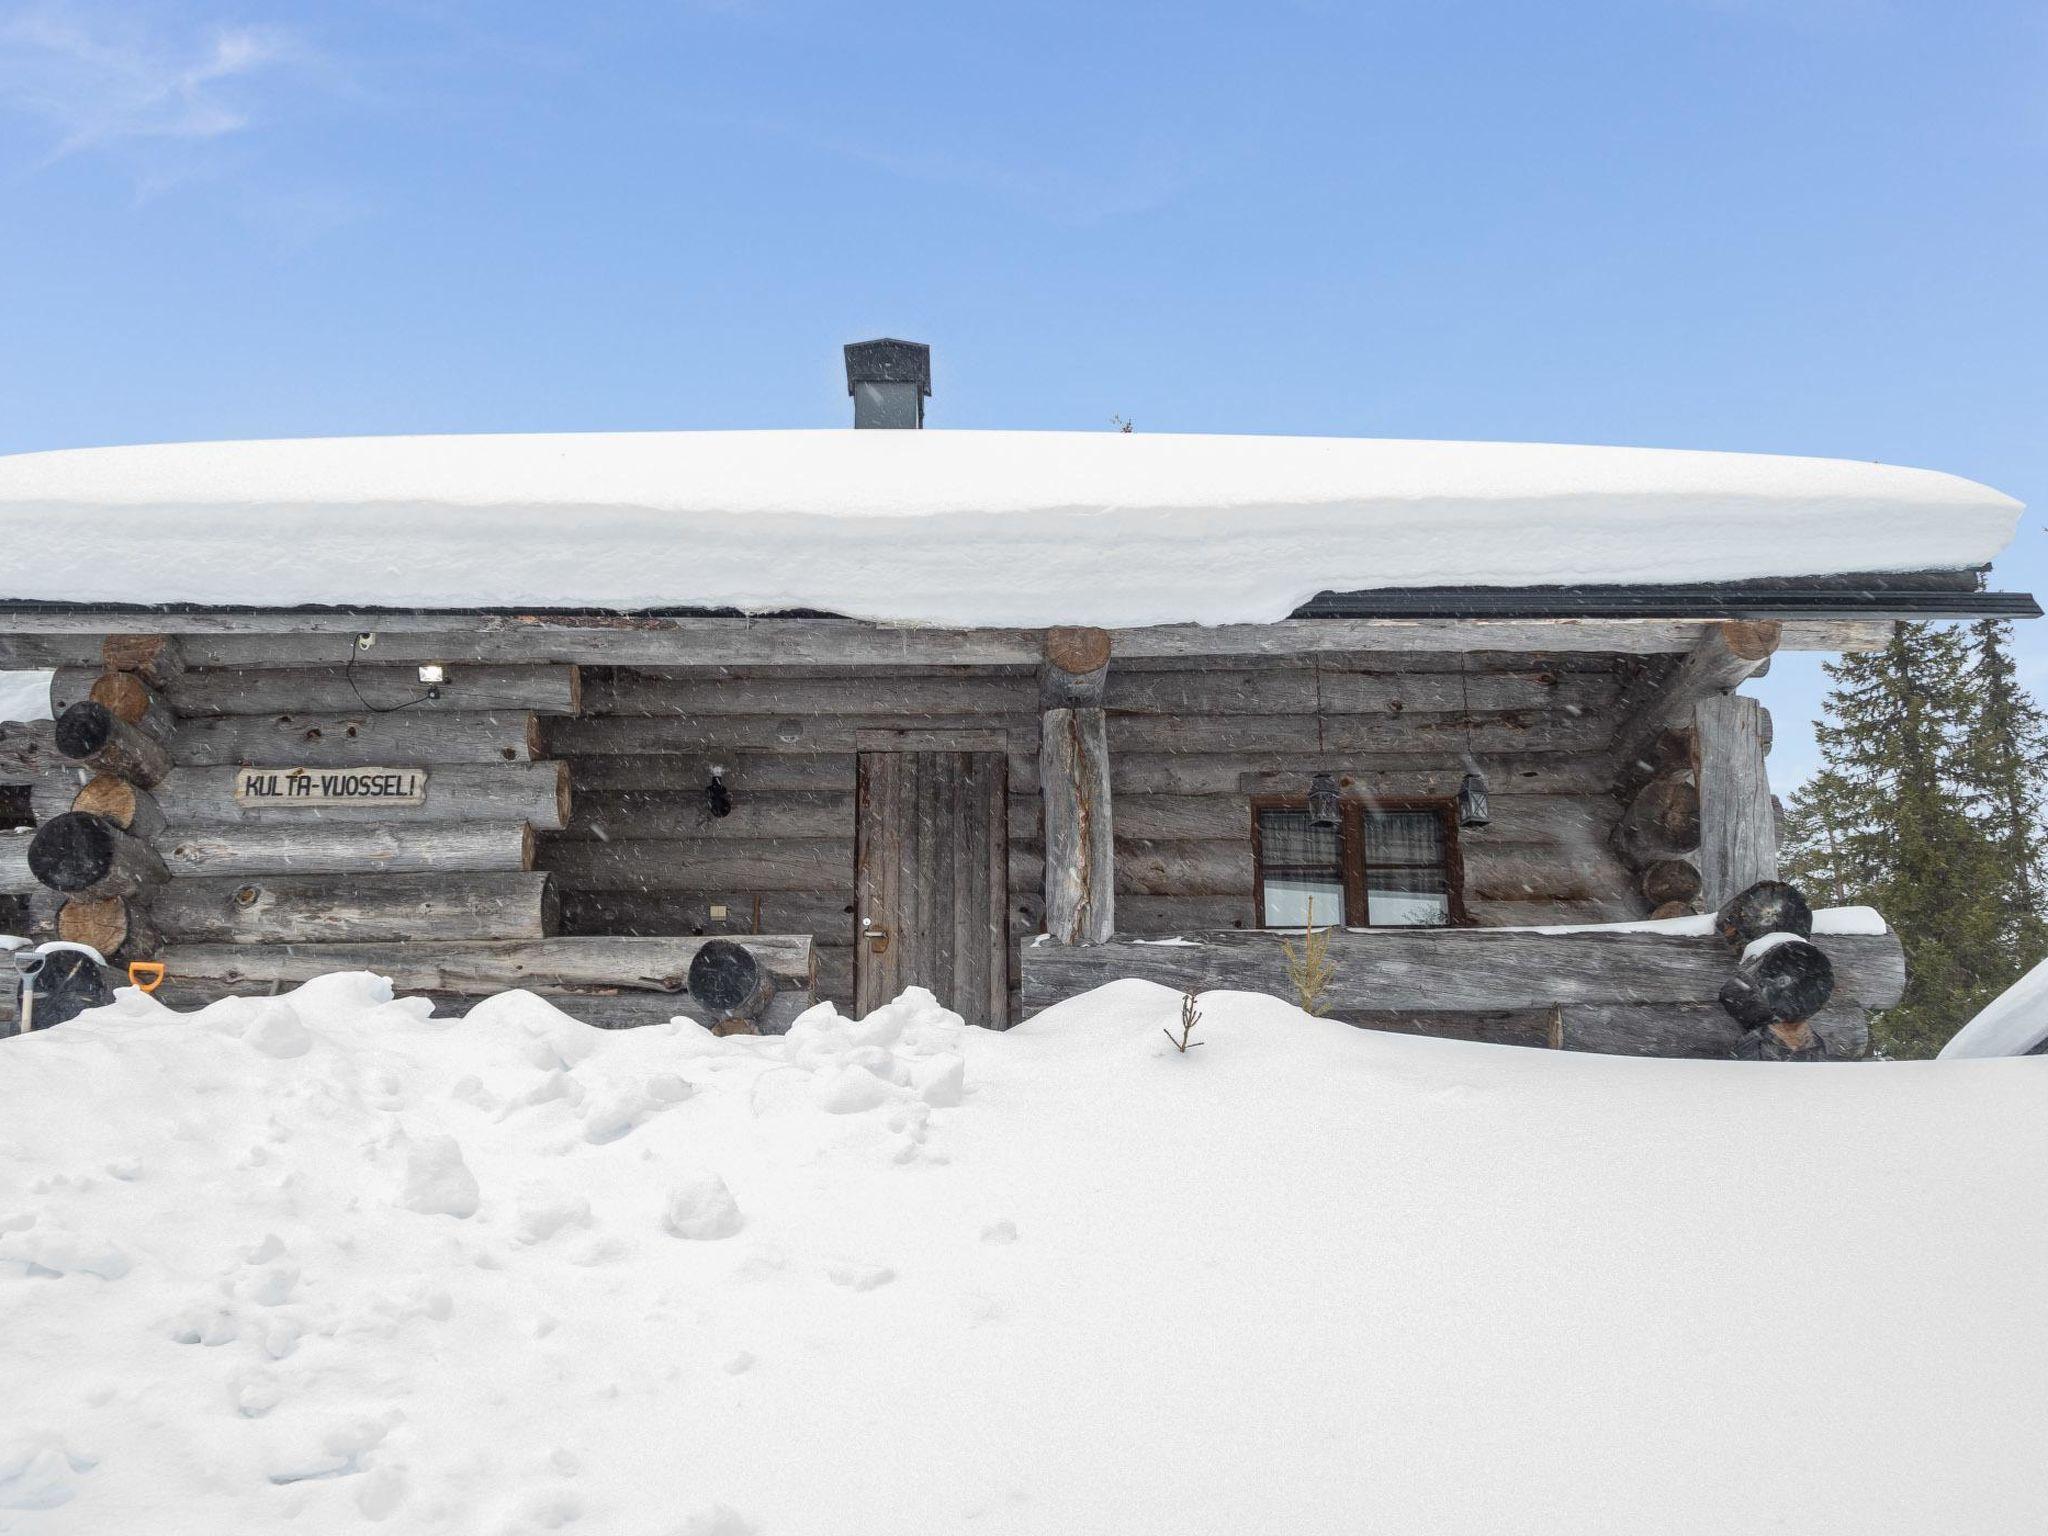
(933, 881)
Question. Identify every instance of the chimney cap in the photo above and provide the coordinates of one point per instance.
(886, 360)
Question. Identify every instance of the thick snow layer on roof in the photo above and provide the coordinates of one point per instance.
(2011, 1025)
(962, 528)
(310, 1262)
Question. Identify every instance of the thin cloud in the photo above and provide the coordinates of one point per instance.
(101, 79)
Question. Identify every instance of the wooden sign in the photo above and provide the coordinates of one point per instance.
(330, 786)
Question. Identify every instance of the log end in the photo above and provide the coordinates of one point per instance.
(1751, 639)
(115, 799)
(84, 729)
(123, 693)
(1077, 650)
(73, 852)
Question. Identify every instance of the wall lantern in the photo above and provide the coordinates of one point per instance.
(717, 798)
(1473, 810)
(1323, 807)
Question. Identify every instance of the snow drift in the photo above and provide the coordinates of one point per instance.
(963, 528)
(310, 1262)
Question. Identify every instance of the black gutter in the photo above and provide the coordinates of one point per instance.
(1729, 601)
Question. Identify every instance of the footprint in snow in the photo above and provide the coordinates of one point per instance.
(859, 1277)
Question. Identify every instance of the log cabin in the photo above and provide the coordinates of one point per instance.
(1005, 715)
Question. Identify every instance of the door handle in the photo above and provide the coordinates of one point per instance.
(878, 940)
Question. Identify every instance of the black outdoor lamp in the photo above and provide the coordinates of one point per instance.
(1323, 807)
(1472, 807)
(1473, 810)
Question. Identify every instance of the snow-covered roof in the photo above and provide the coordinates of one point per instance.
(965, 528)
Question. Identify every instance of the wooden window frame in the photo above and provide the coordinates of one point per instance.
(1352, 860)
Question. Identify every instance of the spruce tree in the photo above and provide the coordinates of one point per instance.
(1889, 823)
(2004, 767)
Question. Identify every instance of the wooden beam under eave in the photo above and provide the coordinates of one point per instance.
(1728, 654)
(293, 639)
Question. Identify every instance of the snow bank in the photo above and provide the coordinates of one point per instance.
(301, 1263)
(24, 695)
(967, 528)
(2015, 1022)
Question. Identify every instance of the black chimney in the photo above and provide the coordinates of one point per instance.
(888, 380)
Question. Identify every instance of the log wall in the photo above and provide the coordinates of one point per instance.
(1190, 746)
(570, 800)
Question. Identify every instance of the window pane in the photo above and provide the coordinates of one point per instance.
(1407, 898)
(1299, 864)
(1288, 899)
(1286, 838)
(1404, 837)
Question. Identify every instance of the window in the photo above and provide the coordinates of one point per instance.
(1384, 866)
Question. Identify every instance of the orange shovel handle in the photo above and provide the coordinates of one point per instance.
(146, 974)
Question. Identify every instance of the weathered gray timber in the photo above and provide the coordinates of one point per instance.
(1481, 691)
(323, 848)
(745, 773)
(1310, 735)
(338, 690)
(16, 878)
(537, 793)
(1561, 820)
(538, 965)
(1728, 655)
(1434, 773)
(696, 736)
(290, 909)
(930, 889)
(827, 916)
(616, 816)
(1079, 820)
(28, 752)
(334, 741)
(1454, 970)
(297, 638)
(1535, 914)
(701, 864)
(1738, 831)
(93, 735)
(88, 858)
(43, 907)
(1694, 1029)
(640, 693)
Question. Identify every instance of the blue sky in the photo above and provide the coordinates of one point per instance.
(1808, 226)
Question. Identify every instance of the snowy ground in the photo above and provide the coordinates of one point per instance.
(288, 1266)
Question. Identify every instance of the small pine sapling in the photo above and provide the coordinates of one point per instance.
(1309, 970)
(1190, 1016)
